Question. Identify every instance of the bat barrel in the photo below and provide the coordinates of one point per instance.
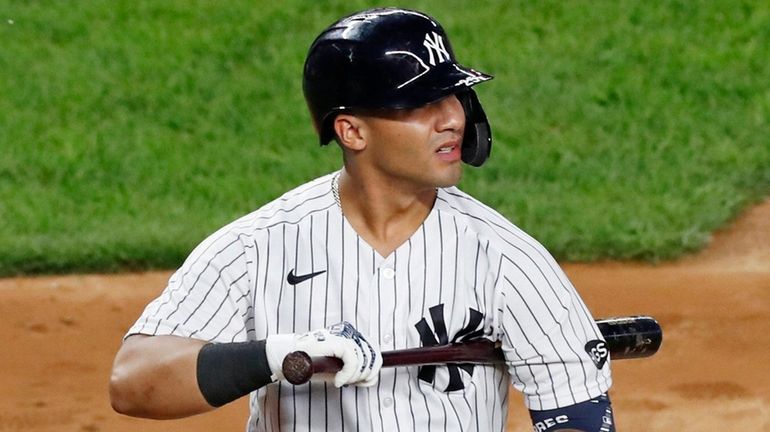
(631, 337)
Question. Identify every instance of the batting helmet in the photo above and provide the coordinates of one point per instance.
(391, 58)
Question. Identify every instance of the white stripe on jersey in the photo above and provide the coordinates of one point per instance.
(466, 271)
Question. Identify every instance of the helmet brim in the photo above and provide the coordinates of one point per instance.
(435, 84)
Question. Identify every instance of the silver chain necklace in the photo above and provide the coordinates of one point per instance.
(336, 189)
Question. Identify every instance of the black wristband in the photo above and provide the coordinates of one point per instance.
(227, 371)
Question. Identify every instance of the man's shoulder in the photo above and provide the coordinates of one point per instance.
(293, 206)
(290, 208)
(470, 210)
(481, 220)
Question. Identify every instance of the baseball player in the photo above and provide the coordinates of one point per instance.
(386, 253)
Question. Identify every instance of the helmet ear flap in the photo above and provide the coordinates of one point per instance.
(477, 142)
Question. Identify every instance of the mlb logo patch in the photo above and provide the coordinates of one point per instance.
(597, 350)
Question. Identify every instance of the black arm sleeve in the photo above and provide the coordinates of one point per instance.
(227, 371)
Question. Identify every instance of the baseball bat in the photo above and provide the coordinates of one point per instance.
(625, 338)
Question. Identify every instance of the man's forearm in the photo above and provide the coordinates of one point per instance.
(155, 377)
(164, 377)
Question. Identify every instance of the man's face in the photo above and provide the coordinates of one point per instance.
(420, 146)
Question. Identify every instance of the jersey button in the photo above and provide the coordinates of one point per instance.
(388, 401)
(388, 273)
(387, 339)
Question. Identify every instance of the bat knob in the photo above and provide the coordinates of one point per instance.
(297, 367)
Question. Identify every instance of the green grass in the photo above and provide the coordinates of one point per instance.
(129, 130)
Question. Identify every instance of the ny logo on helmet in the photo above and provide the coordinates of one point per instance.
(436, 49)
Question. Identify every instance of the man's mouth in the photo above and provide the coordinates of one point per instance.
(449, 152)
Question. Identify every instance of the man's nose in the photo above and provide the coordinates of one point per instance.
(452, 114)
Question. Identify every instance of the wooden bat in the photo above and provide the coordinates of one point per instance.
(625, 338)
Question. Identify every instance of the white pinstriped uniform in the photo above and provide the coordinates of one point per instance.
(465, 256)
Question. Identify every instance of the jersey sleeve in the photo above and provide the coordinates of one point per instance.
(208, 298)
(546, 330)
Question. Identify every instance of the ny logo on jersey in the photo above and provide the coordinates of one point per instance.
(436, 50)
(473, 330)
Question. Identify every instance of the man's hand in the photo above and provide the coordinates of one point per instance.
(362, 362)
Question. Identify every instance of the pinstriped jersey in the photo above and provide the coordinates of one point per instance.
(296, 265)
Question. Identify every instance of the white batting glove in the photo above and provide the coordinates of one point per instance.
(362, 362)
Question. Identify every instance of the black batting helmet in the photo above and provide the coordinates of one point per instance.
(391, 58)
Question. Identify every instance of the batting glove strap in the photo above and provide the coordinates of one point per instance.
(364, 369)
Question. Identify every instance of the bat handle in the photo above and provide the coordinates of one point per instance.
(298, 366)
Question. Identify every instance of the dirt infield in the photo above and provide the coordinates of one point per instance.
(58, 336)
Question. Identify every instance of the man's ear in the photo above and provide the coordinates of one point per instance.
(348, 130)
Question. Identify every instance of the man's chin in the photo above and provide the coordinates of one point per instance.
(451, 179)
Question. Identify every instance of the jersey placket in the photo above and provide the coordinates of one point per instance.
(382, 312)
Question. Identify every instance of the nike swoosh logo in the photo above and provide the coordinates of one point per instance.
(293, 279)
